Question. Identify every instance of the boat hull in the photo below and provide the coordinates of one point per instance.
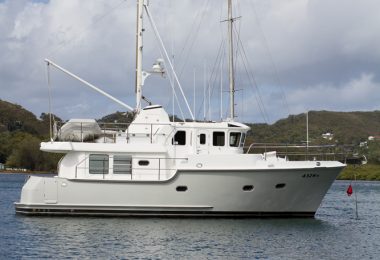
(218, 193)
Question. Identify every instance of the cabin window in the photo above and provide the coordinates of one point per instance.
(248, 188)
(202, 139)
(144, 163)
(179, 138)
(242, 140)
(181, 188)
(218, 139)
(98, 163)
(235, 139)
(122, 164)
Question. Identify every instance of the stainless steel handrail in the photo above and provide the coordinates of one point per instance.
(117, 127)
(298, 150)
(76, 166)
(159, 169)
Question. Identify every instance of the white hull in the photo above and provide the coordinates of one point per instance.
(209, 193)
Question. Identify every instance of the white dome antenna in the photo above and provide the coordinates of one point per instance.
(158, 67)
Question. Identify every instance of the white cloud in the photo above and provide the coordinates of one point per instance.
(27, 21)
(329, 46)
(360, 93)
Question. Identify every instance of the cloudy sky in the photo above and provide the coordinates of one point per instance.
(292, 55)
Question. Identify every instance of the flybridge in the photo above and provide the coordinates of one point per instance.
(152, 126)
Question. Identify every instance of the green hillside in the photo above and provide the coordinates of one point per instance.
(20, 135)
(118, 117)
(347, 127)
(21, 132)
(15, 118)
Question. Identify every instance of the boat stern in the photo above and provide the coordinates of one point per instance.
(36, 191)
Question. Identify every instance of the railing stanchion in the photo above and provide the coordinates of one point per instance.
(128, 138)
(151, 133)
(159, 169)
(104, 134)
(286, 151)
(265, 151)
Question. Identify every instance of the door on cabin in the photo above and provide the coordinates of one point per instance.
(50, 190)
(202, 142)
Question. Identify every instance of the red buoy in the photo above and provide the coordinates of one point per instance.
(349, 190)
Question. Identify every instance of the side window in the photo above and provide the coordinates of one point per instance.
(202, 139)
(218, 139)
(143, 162)
(242, 140)
(98, 163)
(122, 164)
(179, 138)
(235, 139)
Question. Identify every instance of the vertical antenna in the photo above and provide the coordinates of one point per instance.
(139, 52)
(194, 90)
(172, 74)
(204, 91)
(307, 133)
(209, 100)
(231, 61)
(173, 101)
(242, 105)
(221, 90)
(173, 88)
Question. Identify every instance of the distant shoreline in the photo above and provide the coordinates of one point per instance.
(25, 172)
(367, 172)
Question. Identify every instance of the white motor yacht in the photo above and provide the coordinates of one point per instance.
(156, 167)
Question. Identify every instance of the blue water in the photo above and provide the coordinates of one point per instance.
(335, 233)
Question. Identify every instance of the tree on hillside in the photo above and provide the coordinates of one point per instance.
(118, 117)
(374, 152)
(5, 146)
(27, 154)
(9, 141)
(45, 117)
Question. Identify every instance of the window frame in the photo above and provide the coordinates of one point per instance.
(105, 169)
(237, 139)
(143, 163)
(242, 139)
(204, 141)
(215, 139)
(121, 170)
(176, 142)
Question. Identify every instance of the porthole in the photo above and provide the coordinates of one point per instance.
(280, 185)
(181, 188)
(143, 163)
(248, 188)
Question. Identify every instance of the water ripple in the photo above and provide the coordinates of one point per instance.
(335, 232)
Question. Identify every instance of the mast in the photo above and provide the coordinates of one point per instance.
(231, 61)
(139, 50)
